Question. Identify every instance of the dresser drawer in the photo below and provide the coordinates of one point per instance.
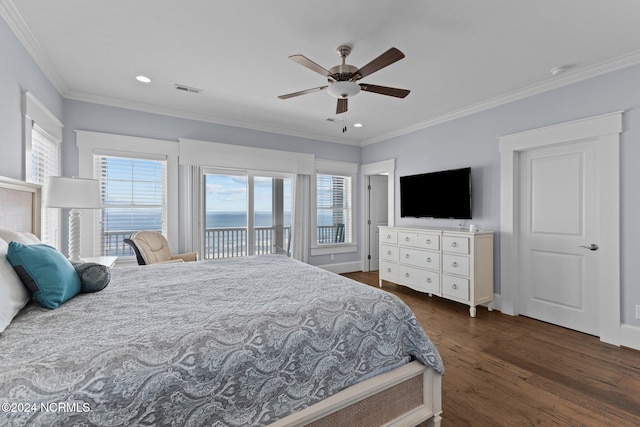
(388, 271)
(419, 240)
(420, 258)
(455, 264)
(388, 236)
(459, 245)
(389, 253)
(456, 287)
(420, 280)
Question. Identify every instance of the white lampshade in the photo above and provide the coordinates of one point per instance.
(343, 89)
(73, 193)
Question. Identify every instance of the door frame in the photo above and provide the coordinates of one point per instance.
(606, 129)
(384, 167)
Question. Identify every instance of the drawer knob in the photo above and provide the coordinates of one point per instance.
(455, 264)
(406, 239)
(406, 256)
(428, 279)
(406, 274)
(454, 244)
(428, 259)
(454, 286)
(388, 252)
(388, 236)
(388, 270)
(428, 241)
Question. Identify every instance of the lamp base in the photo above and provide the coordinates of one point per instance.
(74, 236)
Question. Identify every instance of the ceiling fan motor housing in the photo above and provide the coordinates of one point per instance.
(342, 86)
(342, 72)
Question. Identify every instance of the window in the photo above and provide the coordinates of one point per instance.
(134, 198)
(333, 196)
(140, 153)
(246, 213)
(333, 223)
(45, 162)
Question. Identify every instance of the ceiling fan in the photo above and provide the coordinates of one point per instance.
(343, 79)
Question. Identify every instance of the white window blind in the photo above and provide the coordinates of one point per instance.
(334, 216)
(134, 198)
(45, 162)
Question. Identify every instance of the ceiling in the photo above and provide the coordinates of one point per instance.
(462, 56)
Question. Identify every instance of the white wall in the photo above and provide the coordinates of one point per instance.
(19, 72)
(100, 118)
(472, 141)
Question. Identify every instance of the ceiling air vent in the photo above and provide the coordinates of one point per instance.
(185, 88)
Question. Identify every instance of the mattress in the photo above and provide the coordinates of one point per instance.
(233, 342)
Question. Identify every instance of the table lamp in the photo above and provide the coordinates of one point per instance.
(73, 193)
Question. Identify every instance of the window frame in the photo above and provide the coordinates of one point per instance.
(99, 155)
(37, 118)
(90, 143)
(250, 175)
(344, 169)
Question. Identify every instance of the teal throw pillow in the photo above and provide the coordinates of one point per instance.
(45, 272)
(93, 277)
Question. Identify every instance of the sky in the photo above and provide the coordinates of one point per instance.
(228, 193)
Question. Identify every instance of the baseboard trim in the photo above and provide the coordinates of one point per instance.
(343, 267)
(630, 336)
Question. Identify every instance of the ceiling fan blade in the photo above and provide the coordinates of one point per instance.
(384, 90)
(342, 105)
(302, 92)
(306, 62)
(389, 57)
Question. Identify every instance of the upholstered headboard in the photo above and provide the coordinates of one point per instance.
(20, 205)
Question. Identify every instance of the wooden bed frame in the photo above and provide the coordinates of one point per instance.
(406, 396)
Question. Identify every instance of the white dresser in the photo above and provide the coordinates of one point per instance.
(450, 263)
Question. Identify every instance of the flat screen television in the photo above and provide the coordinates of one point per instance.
(442, 194)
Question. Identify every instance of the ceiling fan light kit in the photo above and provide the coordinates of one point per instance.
(343, 78)
(344, 89)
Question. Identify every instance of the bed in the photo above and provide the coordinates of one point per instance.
(263, 340)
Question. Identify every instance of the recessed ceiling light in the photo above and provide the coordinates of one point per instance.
(143, 79)
(357, 125)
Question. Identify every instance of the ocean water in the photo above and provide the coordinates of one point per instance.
(239, 219)
(150, 219)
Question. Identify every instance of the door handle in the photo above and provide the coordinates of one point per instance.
(591, 247)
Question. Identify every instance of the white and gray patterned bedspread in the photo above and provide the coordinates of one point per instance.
(235, 342)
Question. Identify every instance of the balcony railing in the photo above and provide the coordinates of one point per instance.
(113, 243)
(226, 242)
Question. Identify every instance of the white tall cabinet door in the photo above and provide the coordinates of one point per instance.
(558, 223)
(378, 215)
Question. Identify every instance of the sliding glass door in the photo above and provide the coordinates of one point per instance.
(246, 213)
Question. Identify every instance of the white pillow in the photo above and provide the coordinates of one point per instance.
(13, 294)
(18, 236)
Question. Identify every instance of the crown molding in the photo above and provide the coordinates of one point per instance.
(22, 31)
(571, 77)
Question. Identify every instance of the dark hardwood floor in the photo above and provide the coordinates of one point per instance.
(510, 371)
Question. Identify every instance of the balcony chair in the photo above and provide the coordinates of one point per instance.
(151, 247)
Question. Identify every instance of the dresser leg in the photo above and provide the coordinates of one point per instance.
(491, 306)
(472, 311)
(380, 282)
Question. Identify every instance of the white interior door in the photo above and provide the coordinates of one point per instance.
(559, 221)
(378, 215)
